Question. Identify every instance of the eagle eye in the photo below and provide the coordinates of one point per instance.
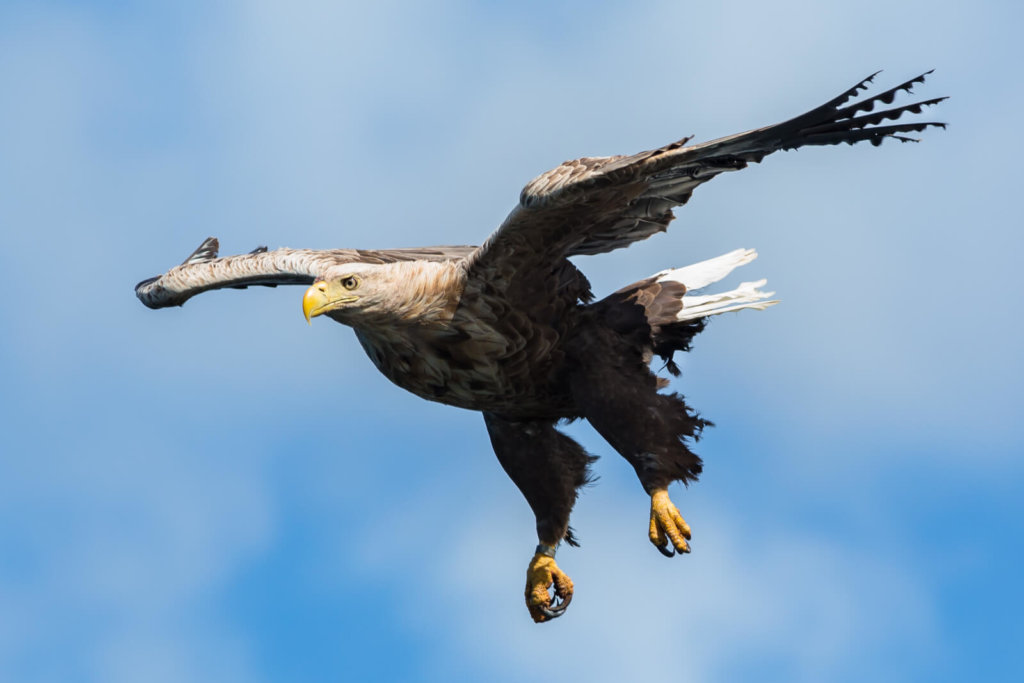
(351, 282)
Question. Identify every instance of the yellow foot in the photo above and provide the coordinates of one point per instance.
(667, 525)
(540, 576)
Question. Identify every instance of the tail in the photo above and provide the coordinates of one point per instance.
(700, 275)
(673, 315)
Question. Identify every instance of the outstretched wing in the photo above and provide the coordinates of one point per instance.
(594, 205)
(203, 270)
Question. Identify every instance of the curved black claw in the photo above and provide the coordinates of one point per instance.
(667, 550)
(556, 610)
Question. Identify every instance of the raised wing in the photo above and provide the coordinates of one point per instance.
(203, 270)
(594, 205)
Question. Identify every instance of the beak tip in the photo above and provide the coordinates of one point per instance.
(309, 302)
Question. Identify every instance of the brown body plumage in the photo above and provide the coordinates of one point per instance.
(466, 348)
(510, 329)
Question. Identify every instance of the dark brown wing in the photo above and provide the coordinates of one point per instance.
(203, 270)
(594, 205)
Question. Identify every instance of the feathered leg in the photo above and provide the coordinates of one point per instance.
(549, 468)
(649, 429)
(616, 391)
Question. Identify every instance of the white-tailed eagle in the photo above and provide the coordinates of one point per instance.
(510, 328)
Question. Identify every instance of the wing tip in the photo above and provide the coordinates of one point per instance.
(154, 295)
(149, 292)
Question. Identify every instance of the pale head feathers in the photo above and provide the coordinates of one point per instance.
(417, 292)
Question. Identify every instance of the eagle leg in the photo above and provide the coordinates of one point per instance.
(542, 575)
(667, 525)
(549, 468)
(651, 431)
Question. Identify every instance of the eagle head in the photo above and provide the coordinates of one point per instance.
(345, 290)
(369, 293)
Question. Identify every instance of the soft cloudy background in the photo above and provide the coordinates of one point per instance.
(219, 492)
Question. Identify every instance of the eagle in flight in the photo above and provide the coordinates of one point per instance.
(510, 328)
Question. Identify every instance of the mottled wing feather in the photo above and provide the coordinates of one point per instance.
(203, 270)
(597, 204)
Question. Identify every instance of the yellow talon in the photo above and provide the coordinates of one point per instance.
(667, 525)
(540, 576)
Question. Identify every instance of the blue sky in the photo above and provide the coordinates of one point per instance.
(220, 492)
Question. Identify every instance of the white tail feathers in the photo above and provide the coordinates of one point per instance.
(747, 295)
(700, 275)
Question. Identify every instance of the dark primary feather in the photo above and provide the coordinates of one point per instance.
(207, 251)
(597, 204)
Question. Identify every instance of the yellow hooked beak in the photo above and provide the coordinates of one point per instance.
(322, 297)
